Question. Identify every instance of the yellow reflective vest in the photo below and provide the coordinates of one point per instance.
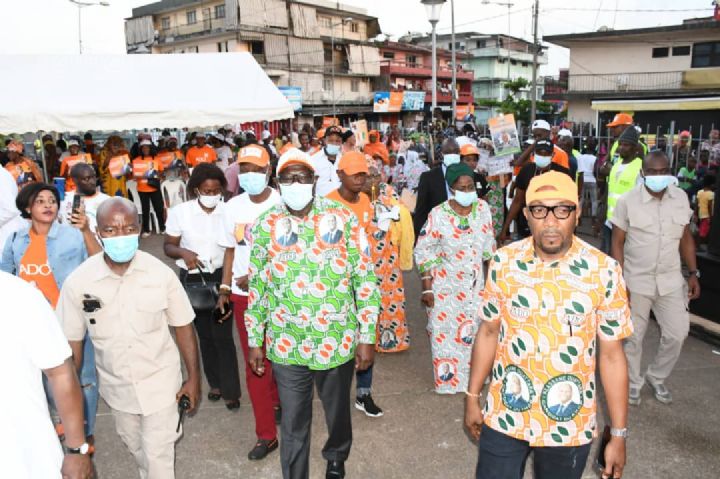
(620, 183)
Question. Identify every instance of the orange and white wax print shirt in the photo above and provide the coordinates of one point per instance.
(543, 384)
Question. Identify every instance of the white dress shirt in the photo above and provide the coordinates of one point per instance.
(326, 171)
(199, 232)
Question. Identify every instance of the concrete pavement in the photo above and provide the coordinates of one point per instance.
(421, 434)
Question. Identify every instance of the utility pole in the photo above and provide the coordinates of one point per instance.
(533, 106)
(454, 65)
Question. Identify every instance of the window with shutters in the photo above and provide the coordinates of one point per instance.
(220, 11)
(191, 17)
(165, 23)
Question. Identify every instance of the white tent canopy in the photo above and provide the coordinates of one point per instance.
(124, 92)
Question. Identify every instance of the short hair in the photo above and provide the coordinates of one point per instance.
(87, 136)
(655, 155)
(203, 172)
(78, 168)
(708, 180)
(26, 197)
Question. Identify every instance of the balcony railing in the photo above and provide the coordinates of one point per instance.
(621, 82)
(201, 26)
(419, 67)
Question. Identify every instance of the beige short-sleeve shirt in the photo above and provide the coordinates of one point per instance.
(653, 228)
(137, 360)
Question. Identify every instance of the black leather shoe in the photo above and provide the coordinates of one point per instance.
(233, 405)
(335, 470)
(214, 396)
(262, 449)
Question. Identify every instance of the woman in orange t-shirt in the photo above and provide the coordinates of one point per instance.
(147, 170)
(22, 169)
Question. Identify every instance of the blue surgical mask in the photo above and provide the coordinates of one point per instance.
(332, 150)
(465, 198)
(658, 183)
(542, 161)
(120, 249)
(451, 159)
(297, 195)
(253, 183)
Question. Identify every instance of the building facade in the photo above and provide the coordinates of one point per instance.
(661, 74)
(319, 46)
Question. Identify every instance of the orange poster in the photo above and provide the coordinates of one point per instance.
(118, 166)
(330, 121)
(396, 101)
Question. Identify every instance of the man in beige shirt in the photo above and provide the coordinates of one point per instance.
(650, 235)
(126, 299)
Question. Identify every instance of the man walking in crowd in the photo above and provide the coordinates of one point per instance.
(30, 347)
(432, 187)
(126, 299)
(650, 236)
(541, 131)
(238, 218)
(85, 179)
(682, 150)
(325, 162)
(353, 173)
(201, 152)
(621, 123)
(586, 177)
(565, 142)
(316, 304)
(576, 297)
(71, 158)
(543, 162)
(623, 177)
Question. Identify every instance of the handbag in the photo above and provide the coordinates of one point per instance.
(204, 295)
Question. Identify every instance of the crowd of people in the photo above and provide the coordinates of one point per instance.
(303, 240)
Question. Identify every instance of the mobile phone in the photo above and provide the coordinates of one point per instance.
(77, 201)
(604, 440)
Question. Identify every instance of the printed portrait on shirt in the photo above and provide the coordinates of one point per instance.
(517, 391)
(285, 233)
(446, 371)
(388, 340)
(331, 229)
(561, 398)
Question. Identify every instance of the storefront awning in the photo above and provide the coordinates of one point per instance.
(706, 103)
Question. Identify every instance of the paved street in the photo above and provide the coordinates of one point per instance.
(421, 434)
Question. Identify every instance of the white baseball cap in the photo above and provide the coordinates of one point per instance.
(146, 143)
(294, 156)
(73, 143)
(565, 132)
(541, 125)
(266, 134)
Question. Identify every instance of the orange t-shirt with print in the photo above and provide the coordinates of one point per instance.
(167, 157)
(35, 268)
(140, 167)
(363, 208)
(67, 163)
(24, 166)
(543, 386)
(196, 155)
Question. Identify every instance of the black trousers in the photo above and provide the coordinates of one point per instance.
(295, 386)
(158, 205)
(217, 347)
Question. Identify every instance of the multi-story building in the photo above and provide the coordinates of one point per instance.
(660, 74)
(494, 59)
(319, 46)
(408, 67)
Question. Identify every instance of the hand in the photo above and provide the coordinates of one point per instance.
(242, 282)
(473, 417)
(191, 389)
(223, 304)
(191, 260)
(76, 466)
(256, 359)
(693, 287)
(503, 238)
(614, 458)
(428, 299)
(79, 219)
(364, 356)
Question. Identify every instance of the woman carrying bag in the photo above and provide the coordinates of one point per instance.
(192, 233)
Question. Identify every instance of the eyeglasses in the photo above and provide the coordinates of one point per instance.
(290, 179)
(561, 212)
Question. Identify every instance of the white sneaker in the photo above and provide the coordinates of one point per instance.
(661, 392)
(634, 396)
(145, 234)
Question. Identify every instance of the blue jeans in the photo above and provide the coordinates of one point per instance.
(504, 457)
(88, 384)
(363, 381)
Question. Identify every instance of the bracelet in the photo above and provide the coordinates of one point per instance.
(472, 395)
(425, 277)
(427, 291)
(224, 287)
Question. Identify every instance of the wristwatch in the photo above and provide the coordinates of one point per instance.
(618, 432)
(83, 449)
(694, 273)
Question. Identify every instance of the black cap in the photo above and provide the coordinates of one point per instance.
(544, 145)
(346, 134)
(333, 130)
(630, 135)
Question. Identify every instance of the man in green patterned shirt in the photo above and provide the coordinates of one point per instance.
(315, 305)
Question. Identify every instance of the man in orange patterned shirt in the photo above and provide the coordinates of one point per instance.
(546, 300)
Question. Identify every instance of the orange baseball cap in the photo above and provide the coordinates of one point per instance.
(321, 133)
(352, 163)
(621, 119)
(255, 154)
(552, 185)
(294, 157)
(469, 149)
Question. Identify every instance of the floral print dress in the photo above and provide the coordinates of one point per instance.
(451, 248)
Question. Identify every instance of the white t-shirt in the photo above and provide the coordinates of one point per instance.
(238, 218)
(30, 342)
(326, 172)
(224, 156)
(586, 163)
(92, 203)
(10, 219)
(198, 232)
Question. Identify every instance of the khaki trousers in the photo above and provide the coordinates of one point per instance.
(151, 439)
(674, 321)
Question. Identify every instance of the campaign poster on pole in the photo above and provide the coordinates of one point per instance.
(330, 121)
(504, 135)
(360, 130)
(499, 165)
(396, 101)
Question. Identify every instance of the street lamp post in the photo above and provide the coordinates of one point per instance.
(332, 57)
(80, 6)
(433, 8)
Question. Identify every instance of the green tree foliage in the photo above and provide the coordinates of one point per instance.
(519, 107)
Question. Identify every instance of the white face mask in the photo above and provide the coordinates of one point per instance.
(297, 195)
(209, 201)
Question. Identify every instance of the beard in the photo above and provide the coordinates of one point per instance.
(551, 247)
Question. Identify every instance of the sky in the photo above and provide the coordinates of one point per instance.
(51, 26)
